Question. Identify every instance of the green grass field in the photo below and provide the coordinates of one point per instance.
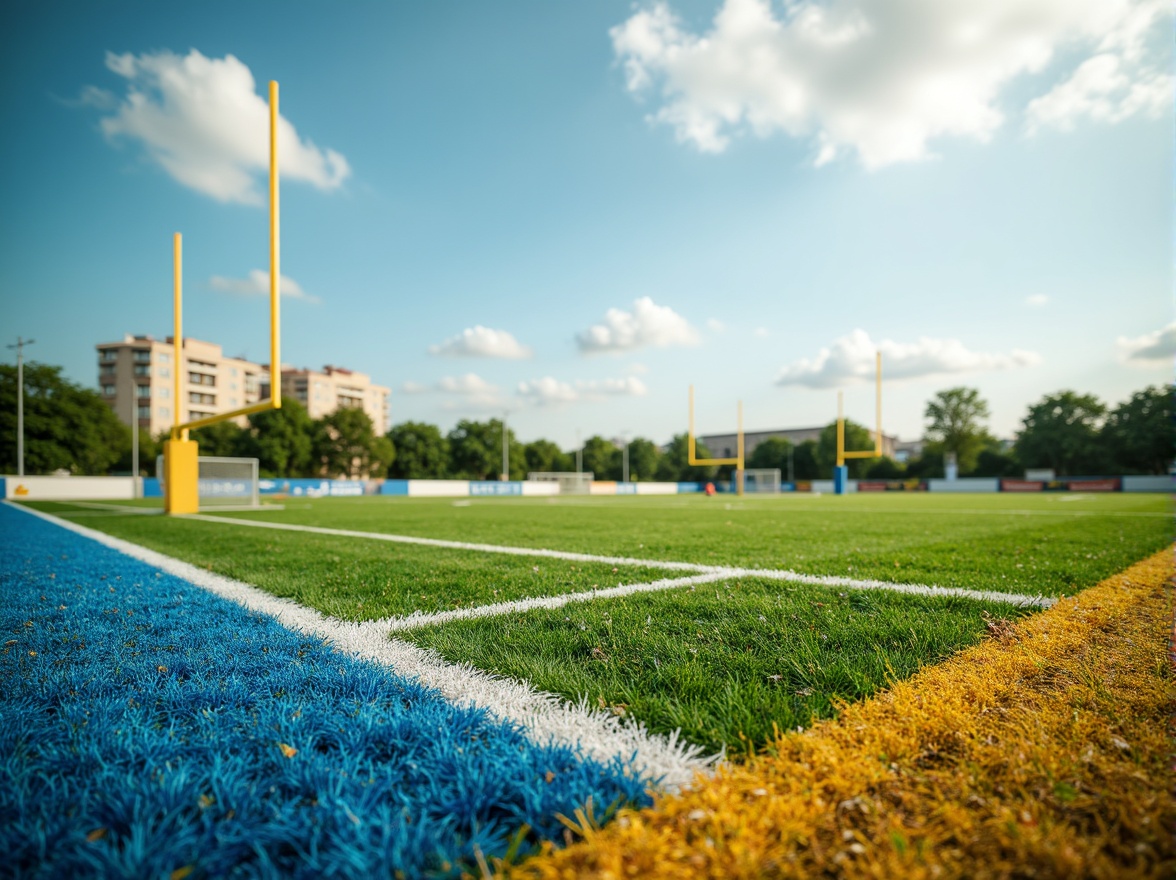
(725, 660)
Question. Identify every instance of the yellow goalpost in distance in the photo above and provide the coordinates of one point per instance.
(841, 476)
(737, 460)
(180, 454)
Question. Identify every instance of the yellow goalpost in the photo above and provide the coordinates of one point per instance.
(737, 460)
(841, 474)
(180, 454)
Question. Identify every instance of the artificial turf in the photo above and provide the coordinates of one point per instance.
(352, 578)
(1055, 544)
(151, 729)
(727, 662)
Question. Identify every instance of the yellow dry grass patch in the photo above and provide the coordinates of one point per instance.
(1045, 751)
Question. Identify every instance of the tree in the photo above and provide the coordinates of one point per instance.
(1139, 432)
(674, 466)
(150, 448)
(885, 469)
(475, 451)
(221, 438)
(1061, 432)
(804, 461)
(993, 462)
(347, 445)
(643, 459)
(543, 456)
(282, 441)
(602, 458)
(66, 426)
(955, 423)
(422, 453)
(772, 453)
(857, 437)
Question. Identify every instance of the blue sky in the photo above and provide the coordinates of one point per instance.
(572, 211)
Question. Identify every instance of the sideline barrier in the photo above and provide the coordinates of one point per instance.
(965, 484)
(41, 488)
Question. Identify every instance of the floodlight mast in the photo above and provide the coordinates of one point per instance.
(20, 344)
(737, 461)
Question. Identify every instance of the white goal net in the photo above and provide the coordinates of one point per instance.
(223, 482)
(570, 483)
(761, 480)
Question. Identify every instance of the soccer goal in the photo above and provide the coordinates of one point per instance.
(570, 483)
(223, 483)
(762, 480)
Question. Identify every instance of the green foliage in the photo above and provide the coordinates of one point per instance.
(149, 449)
(644, 457)
(1062, 432)
(222, 438)
(545, 457)
(993, 462)
(475, 451)
(955, 422)
(282, 440)
(66, 427)
(885, 469)
(602, 458)
(675, 467)
(347, 445)
(804, 461)
(422, 453)
(857, 437)
(1139, 432)
(772, 453)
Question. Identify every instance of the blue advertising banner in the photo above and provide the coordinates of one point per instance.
(495, 487)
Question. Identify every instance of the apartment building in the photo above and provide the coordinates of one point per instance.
(322, 392)
(137, 378)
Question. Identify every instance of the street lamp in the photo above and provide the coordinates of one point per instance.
(579, 453)
(505, 451)
(625, 457)
(20, 344)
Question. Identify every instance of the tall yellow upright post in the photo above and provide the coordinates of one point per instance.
(180, 455)
(840, 428)
(695, 460)
(275, 257)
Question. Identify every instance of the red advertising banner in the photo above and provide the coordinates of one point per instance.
(891, 486)
(1021, 485)
(1112, 484)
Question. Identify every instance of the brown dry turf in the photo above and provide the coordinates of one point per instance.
(1046, 751)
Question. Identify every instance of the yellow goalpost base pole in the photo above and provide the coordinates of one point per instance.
(180, 470)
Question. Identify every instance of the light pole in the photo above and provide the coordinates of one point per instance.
(579, 453)
(505, 451)
(20, 344)
(625, 456)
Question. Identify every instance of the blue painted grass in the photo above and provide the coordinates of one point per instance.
(142, 726)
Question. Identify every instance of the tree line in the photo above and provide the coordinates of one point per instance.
(71, 428)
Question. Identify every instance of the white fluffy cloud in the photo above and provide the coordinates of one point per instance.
(549, 391)
(647, 325)
(468, 391)
(203, 122)
(851, 359)
(481, 341)
(1037, 301)
(882, 79)
(257, 284)
(1150, 348)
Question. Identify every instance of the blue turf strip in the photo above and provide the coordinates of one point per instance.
(142, 725)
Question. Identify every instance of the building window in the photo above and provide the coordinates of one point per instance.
(197, 397)
(142, 356)
(106, 370)
(144, 412)
(143, 390)
(163, 357)
(164, 412)
(108, 354)
(233, 372)
(202, 379)
(108, 390)
(164, 373)
(142, 370)
(163, 392)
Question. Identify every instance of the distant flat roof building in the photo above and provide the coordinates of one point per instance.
(137, 378)
(726, 445)
(322, 392)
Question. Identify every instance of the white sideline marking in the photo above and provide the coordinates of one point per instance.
(544, 718)
(718, 572)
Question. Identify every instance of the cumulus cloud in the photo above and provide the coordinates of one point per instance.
(1037, 301)
(549, 391)
(648, 324)
(1150, 348)
(851, 359)
(414, 388)
(257, 283)
(468, 391)
(715, 325)
(882, 80)
(202, 120)
(481, 341)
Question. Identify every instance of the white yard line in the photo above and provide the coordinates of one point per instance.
(543, 717)
(710, 572)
